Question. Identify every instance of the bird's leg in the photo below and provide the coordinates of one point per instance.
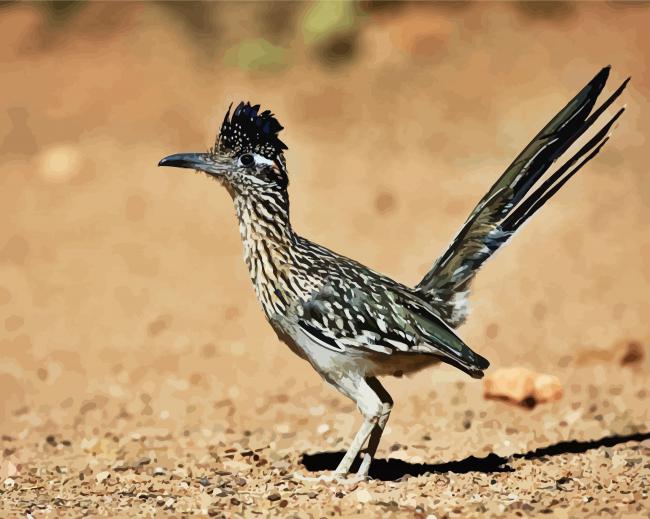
(371, 408)
(370, 404)
(387, 404)
(356, 445)
(374, 409)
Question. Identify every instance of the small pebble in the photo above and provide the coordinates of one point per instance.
(100, 477)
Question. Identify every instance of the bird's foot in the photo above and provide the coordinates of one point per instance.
(334, 477)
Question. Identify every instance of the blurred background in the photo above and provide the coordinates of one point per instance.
(124, 300)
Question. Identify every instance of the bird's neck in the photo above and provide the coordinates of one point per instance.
(268, 240)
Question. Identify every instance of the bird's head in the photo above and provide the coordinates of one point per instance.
(247, 155)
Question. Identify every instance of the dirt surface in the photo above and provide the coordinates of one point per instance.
(455, 462)
(460, 458)
(138, 376)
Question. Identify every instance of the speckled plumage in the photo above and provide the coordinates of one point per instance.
(349, 322)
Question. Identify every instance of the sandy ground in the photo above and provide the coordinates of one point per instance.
(138, 376)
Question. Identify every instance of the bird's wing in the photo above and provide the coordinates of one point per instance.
(354, 319)
(503, 209)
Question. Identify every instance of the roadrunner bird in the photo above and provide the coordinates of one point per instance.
(349, 322)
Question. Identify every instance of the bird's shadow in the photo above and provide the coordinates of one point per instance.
(392, 469)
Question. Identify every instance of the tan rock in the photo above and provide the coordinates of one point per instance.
(514, 384)
(547, 388)
(522, 386)
(102, 476)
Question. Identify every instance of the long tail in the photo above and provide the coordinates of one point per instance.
(506, 207)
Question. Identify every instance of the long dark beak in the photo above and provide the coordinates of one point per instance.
(197, 161)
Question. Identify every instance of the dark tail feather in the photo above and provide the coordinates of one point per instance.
(553, 184)
(508, 204)
(562, 137)
(553, 140)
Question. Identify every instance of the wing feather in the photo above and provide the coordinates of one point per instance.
(388, 322)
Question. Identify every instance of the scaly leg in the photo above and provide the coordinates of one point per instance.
(377, 431)
(371, 407)
(359, 440)
(374, 412)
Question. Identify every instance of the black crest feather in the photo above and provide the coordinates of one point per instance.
(248, 131)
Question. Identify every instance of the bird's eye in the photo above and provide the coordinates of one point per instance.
(247, 160)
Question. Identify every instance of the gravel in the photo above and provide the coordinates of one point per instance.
(577, 457)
